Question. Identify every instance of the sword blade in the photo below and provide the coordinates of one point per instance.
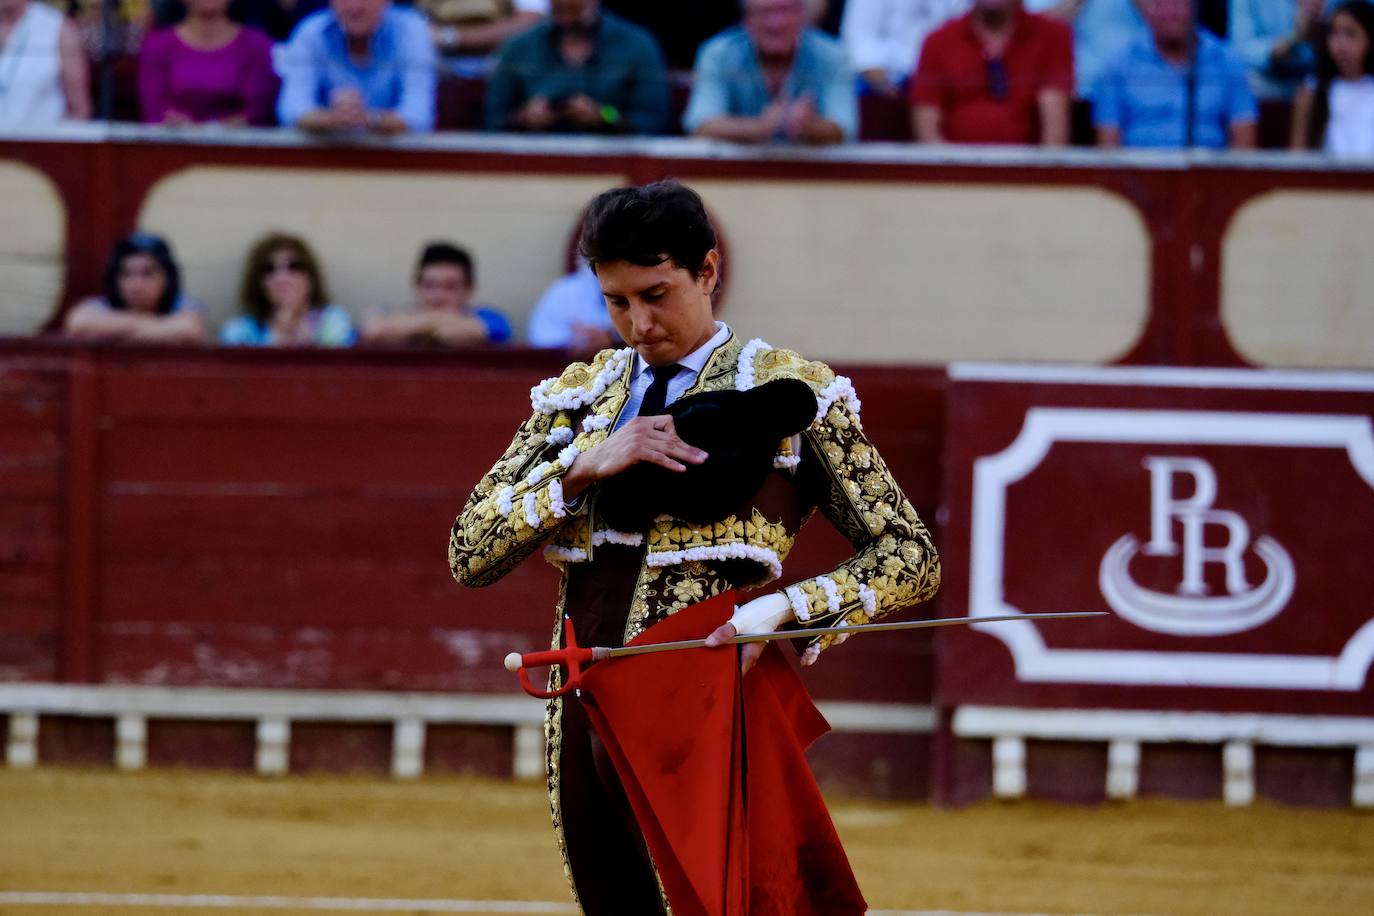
(603, 652)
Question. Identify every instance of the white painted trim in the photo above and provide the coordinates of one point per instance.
(351, 904)
(21, 749)
(1363, 794)
(1158, 727)
(274, 902)
(273, 756)
(131, 741)
(878, 718)
(234, 703)
(408, 748)
(1123, 769)
(1045, 426)
(275, 710)
(1165, 377)
(529, 759)
(1009, 766)
(1238, 773)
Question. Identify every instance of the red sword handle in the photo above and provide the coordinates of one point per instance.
(571, 656)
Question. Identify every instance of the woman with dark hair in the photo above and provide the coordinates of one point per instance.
(284, 300)
(142, 300)
(207, 69)
(1334, 112)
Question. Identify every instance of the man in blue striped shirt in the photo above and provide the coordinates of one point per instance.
(361, 65)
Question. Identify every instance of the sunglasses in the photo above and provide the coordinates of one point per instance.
(292, 266)
(996, 70)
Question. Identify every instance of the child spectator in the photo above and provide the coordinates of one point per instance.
(996, 75)
(443, 314)
(284, 300)
(44, 76)
(581, 71)
(1334, 112)
(207, 69)
(1143, 99)
(361, 65)
(142, 301)
(773, 78)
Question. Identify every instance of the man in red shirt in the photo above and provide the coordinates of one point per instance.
(996, 75)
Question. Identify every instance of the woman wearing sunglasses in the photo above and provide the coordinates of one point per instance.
(284, 300)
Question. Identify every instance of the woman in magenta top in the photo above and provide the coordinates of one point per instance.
(207, 69)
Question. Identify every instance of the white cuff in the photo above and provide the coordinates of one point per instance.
(762, 615)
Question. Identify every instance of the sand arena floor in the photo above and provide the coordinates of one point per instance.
(461, 839)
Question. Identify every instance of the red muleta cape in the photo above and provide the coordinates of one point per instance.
(715, 770)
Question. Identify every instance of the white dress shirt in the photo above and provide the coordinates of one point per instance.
(691, 364)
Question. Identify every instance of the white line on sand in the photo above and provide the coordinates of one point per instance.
(355, 904)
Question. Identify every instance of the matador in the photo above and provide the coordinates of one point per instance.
(655, 255)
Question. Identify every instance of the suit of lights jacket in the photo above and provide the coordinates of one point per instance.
(518, 505)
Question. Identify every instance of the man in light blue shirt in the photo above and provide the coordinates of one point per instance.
(1143, 99)
(773, 78)
(571, 315)
(359, 65)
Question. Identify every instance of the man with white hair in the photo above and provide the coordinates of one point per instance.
(773, 78)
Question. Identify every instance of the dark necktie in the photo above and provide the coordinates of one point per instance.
(656, 396)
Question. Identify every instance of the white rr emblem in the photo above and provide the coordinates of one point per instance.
(1191, 610)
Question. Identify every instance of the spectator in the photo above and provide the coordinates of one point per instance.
(996, 75)
(360, 65)
(443, 315)
(142, 301)
(679, 28)
(584, 70)
(1143, 99)
(284, 300)
(476, 27)
(1101, 30)
(572, 315)
(884, 37)
(1335, 110)
(1277, 40)
(44, 76)
(207, 69)
(773, 78)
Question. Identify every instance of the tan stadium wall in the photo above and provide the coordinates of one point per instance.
(368, 228)
(1298, 279)
(889, 273)
(926, 273)
(33, 228)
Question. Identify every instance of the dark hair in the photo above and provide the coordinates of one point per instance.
(1362, 12)
(663, 221)
(253, 297)
(446, 253)
(154, 247)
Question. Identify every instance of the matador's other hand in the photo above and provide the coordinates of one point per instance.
(650, 439)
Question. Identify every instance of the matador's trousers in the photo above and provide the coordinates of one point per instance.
(610, 862)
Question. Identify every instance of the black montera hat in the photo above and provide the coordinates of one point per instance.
(739, 431)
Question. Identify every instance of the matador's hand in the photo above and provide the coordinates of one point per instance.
(762, 615)
(651, 439)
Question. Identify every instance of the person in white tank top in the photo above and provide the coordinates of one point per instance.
(44, 76)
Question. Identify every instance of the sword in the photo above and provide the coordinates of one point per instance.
(573, 656)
